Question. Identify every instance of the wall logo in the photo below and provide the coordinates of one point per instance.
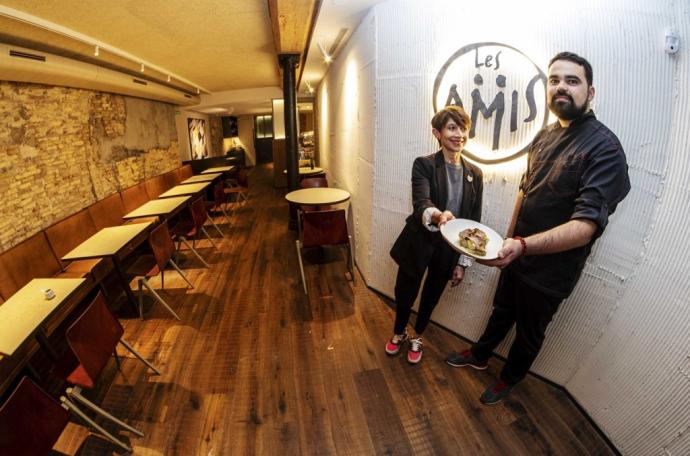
(490, 79)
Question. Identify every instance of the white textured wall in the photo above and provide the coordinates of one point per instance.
(347, 121)
(620, 343)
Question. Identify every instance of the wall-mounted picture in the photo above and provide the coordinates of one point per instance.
(197, 138)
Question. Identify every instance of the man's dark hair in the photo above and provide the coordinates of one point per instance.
(572, 57)
(456, 113)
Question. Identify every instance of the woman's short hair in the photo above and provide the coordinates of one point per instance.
(455, 113)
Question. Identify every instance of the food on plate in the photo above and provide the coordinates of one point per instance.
(474, 240)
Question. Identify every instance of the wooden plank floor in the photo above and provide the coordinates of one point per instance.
(257, 367)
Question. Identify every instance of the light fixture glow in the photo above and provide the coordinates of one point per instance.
(309, 87)
(96, 51)
(168, 78)
(198, 91)
(326, 57)
(142, 68)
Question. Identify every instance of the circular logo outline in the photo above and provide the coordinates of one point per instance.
(471, 47)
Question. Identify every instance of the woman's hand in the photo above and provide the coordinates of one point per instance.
(438, 218)
(458, 275)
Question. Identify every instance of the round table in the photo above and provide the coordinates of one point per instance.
(318, 196)
(307, 171)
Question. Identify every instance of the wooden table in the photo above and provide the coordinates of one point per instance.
(201, 178)
(318, 196)
(186, 189)
(23, 314)
(219, 169)
(307, 171)
(159, 207)
(115, 242)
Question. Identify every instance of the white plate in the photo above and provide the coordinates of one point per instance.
(451, 230)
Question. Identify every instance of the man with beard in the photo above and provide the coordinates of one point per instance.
(576, 176)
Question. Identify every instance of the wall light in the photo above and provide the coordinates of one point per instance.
(326, 57)
(96, 51)
(142, 68)
(309, 87)
(168, 78)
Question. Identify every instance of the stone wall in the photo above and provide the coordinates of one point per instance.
(62, 149)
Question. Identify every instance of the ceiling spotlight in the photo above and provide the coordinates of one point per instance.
(96, 51)
(142, 68)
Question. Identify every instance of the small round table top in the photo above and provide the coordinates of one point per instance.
(318, 196)
(307, 170)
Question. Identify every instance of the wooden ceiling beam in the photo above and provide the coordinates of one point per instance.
(292, 22)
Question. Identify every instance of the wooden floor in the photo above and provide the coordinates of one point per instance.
(257, 367)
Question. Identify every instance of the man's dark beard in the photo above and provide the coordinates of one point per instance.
(567, 111)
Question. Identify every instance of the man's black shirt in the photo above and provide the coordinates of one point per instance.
(578, 172)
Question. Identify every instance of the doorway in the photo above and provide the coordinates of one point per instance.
(263, 138)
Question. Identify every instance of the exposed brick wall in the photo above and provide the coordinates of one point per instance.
(62, 149)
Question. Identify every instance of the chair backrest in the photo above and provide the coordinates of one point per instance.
(324, 228)
(242, 178)
(134, 196)
(70, 232)
(218, 194)
(161, 244)
(30, 421)
(30, 258)
(312, 182)
(92, 339)
(107, 212)
(199, 212)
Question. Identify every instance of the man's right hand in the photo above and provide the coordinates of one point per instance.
(511, 250)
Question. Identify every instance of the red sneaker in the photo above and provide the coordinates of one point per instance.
(394, 344)
(414, 355)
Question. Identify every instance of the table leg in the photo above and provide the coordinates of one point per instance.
(45, 345)
(125, 283)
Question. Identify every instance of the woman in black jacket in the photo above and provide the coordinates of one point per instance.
(444, 186)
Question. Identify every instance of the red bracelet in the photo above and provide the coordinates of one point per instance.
(524, 245)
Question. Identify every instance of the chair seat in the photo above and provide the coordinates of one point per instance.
(235, 189)
(145, 266)
(185, 228)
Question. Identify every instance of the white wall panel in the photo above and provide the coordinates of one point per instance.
(620, 343)
(347, 129)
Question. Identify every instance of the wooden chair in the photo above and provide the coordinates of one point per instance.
(150, 265)
(30, 421)
(92, 339)
(321, 228)
(312, 182)
(220, 200)
(242, 187)
(190, 228)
